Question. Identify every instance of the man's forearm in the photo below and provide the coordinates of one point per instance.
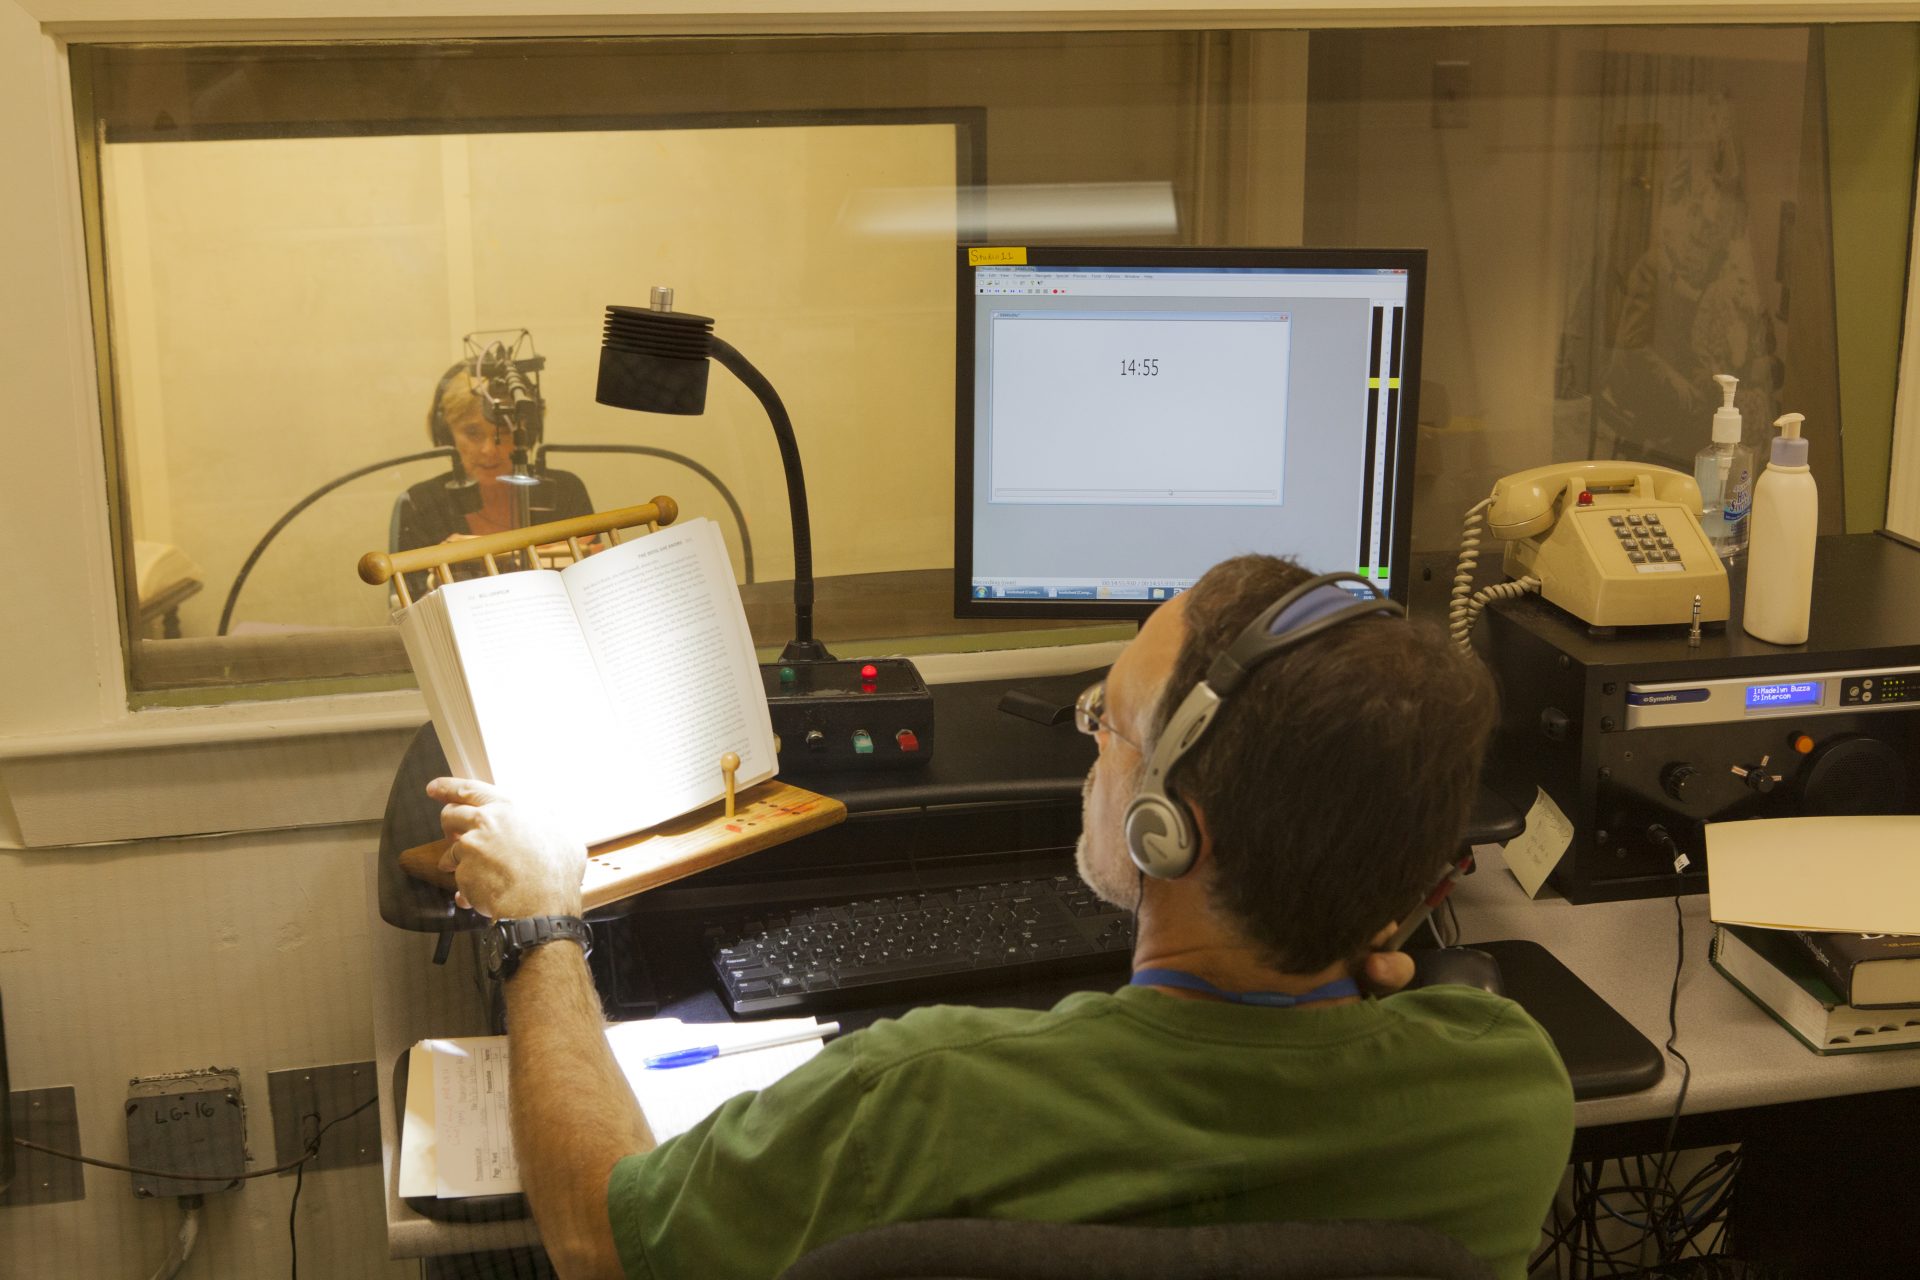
(574, 1115)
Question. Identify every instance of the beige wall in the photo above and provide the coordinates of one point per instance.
(239, 951)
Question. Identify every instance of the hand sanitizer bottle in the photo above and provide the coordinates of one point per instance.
(1786, 520)
(1724, 471)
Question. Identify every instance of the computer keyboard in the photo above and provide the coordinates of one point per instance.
(911, 946)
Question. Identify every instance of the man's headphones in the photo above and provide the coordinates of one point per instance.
(1160, 831)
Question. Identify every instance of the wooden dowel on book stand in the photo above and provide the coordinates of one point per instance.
(729, 765)
(377, 568)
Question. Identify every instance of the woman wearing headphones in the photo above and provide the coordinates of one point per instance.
(472, 499)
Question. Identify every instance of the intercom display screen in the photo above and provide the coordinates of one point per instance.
(1128, 418)
(1793, 693)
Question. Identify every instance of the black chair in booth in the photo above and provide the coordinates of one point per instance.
(981, 1249)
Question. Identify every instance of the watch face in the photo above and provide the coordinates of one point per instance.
(493, 950)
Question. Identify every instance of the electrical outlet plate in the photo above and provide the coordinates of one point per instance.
(50, 1117)
(190, 1122)
(298, 1094)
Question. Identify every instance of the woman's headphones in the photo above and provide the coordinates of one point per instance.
(1160, 831)
(439, 430)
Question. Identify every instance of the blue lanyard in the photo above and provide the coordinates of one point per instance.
(1338, 989)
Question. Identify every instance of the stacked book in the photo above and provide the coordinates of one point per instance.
(1837, 992)
(1818, 921)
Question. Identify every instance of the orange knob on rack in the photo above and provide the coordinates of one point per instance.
(1803, 744)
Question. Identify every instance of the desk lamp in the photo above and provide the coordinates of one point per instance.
(654, 359)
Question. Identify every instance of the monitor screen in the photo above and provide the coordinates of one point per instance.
(1127, 418)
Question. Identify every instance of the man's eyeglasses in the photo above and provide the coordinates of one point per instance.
(1090, 714)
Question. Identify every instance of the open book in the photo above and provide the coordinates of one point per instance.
(605, 692)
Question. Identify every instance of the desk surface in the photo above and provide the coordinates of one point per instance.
(1625, 951)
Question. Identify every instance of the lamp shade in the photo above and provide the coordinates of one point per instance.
(654, 361)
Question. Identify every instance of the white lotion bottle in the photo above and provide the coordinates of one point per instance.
(1786, 520)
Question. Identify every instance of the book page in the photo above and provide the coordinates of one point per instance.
(436, 668)
(664, 621)
(542, 714)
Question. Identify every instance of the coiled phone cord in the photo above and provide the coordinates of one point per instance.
(1464, 604)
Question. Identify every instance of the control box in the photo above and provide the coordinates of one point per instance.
(840, 717)
(1642, 740)
(192, 1122)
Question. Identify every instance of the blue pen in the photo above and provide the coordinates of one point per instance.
(708, 1052)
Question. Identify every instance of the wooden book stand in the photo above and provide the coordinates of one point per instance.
(765, 815)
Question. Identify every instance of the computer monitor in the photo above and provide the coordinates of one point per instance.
(1126, 418)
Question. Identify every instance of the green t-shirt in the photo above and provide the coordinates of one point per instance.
(1447, 1107)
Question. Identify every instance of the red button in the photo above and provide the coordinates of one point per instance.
(907, 740)
(1586, 498)
(869, 671)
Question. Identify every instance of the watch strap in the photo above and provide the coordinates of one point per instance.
(524, 934)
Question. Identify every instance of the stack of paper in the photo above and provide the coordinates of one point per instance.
(455, 1140)
(1828, 875)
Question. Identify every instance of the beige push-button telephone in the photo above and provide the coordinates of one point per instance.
(1616, 544)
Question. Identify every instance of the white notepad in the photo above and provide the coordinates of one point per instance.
(1828, 875)
(454, 1136)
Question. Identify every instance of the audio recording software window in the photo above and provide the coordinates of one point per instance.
(1135, 426)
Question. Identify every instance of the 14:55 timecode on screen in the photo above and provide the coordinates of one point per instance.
(1140, 367)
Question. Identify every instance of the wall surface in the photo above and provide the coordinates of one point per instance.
(145, 959)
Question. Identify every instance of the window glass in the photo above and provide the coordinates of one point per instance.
(293, 243)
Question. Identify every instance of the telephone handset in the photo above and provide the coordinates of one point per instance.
(1616, 544)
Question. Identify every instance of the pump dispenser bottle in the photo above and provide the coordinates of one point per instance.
(1786, 520)
(1724, 472)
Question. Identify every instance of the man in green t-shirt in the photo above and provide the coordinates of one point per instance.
(1284, 767)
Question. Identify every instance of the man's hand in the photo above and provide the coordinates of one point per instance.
(507, 860)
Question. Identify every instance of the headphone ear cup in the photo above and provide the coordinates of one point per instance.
(438, 429)
(1159, 836)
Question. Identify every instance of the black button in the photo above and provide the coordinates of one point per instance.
(1636, 557)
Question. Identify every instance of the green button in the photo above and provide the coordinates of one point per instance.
(862, 743)
(786, 675)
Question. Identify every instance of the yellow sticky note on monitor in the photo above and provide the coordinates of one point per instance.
(998, 256)
(1830, 875)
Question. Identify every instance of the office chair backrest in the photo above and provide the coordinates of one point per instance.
(980, 1249)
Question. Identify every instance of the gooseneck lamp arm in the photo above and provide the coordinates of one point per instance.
(654, 359)
(803, 647)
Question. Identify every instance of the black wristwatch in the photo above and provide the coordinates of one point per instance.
(504, 942)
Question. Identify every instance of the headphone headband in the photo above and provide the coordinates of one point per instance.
(1160, 832)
